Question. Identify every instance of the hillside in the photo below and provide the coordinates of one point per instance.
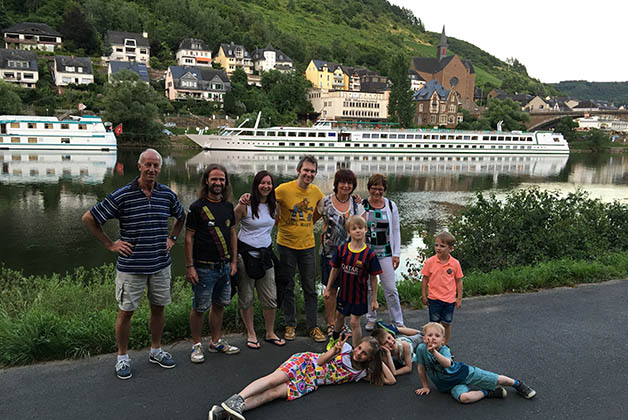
(353, 32)
(614, 92)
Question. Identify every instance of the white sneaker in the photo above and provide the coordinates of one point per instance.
(197, 355)
(221, 346)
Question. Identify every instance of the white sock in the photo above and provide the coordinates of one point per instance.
(155, 352)
(123, 357)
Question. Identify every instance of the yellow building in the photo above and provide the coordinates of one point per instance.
(326, 75)
(232, 56)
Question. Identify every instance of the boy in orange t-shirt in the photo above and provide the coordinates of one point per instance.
(443, 274)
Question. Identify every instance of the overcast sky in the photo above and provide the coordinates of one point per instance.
(555, 39)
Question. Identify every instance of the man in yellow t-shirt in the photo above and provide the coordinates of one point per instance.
(297, 202)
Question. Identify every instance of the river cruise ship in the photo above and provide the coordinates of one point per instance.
(328, 137)
(23, 132)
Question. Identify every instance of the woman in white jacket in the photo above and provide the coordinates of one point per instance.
(384, 238)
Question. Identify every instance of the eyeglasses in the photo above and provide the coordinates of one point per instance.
(380, 189)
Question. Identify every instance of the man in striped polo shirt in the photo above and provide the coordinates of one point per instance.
(142, 208)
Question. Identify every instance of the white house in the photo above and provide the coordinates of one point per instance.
(19, 67)
(72, 70)
(194, 52)
(270, 58)
(32, 35)
(129, 46)
(202, 84)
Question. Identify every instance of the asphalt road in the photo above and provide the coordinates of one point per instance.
(569, 344)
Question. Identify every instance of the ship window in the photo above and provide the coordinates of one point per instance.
(384, 136)
(15, 139)
(556, 139)
(260, 133)
(65, 140)
(450, 137)
(302, 133)
(347, 144)
(312, 145)
(402, 136)
(375, 136)
(515, 139)
(411, 136)
(451, 146)
(500, 138)
(292, 134)
(82, 126)
(301, 144)
(460, 137)
(383, 145)
(458, 146)
(493, 138)
(32, 139)
(291, 144)
(65, 126)
(15, 125)
(442, 146)
(32, 125)
(366, 136)
(281, 134)
(528, 138)
(270, 133)
(392, 136)
(311, 134)
(281, 143)
(48, 126)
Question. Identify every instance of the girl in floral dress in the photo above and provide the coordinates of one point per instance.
(303, 373)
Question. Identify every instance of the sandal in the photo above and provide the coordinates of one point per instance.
(330, 330)
(280, 342)
(253, 344)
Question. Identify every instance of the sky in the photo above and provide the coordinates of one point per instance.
(555, 39)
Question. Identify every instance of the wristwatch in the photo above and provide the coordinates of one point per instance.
(174, 238)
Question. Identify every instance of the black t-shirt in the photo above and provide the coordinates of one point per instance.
(212, 224)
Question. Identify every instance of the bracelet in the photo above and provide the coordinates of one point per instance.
(188, 266)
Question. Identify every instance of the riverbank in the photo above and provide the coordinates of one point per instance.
(54, 317)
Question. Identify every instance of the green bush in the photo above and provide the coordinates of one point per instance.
(531, 226)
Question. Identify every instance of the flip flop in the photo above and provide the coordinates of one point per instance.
(276, 341)
(254, 345)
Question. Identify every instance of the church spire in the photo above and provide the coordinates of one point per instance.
(441, 51)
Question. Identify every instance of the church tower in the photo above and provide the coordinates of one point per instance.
(441, 51)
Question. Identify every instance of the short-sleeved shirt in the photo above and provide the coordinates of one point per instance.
(296, 212)
(443, 378)
(443, 276)
(212, 224)
(334, 233)
(143, 223)
(354, 271)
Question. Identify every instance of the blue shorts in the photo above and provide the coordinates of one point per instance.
(357, 309)
(476, 379)
(214, 286)
(441, 311)
(325, 270)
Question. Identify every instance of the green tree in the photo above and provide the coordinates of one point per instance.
(566, 126)
(507, 111)
(136, 105)
(597, 139)
(400, 105)
(78, 29)
(10, 102)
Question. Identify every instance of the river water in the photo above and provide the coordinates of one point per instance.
(44, 194)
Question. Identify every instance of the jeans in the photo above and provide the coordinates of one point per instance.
(289, 259)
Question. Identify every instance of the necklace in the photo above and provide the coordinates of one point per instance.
(342, 201)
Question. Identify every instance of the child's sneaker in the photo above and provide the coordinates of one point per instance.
(123, 369)
(222, 346)
(197, 355)
(233, 405)
(498, 392)
(332, 342)
(525, 390)
(391, 328)
(218, 413)
(163, 359)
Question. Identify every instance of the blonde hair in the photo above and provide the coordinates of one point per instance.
(447, 238)
(436, 325)
(355, 220)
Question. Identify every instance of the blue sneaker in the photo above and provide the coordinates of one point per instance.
(163, 359)
(123, 369)
(391, 328)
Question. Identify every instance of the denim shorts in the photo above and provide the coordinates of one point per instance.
(441, 311)
(476, 379)
(214, 286)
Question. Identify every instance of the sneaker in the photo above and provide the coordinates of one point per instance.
(346, 330)
(163, 359)
(233, 405)
(525, 390)
(222, 346)
(197, 355)
(317, 335)
(391, 328)
(218, 413)
(332, 343)
(290, 333)
(370, 326)
(123, 369)
(498, 392)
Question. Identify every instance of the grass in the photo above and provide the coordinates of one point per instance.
(72, 316)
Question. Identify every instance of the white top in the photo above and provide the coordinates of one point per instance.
(256, 231)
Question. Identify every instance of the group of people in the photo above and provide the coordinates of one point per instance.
(360, 243)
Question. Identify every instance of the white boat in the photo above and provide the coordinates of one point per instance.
(23, 132)
(438, 164)
(327, 137)
(52, 166)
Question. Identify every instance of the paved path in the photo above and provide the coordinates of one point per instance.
(571, 345)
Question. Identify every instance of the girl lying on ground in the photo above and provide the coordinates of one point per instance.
(304, 372)
(401, 343)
